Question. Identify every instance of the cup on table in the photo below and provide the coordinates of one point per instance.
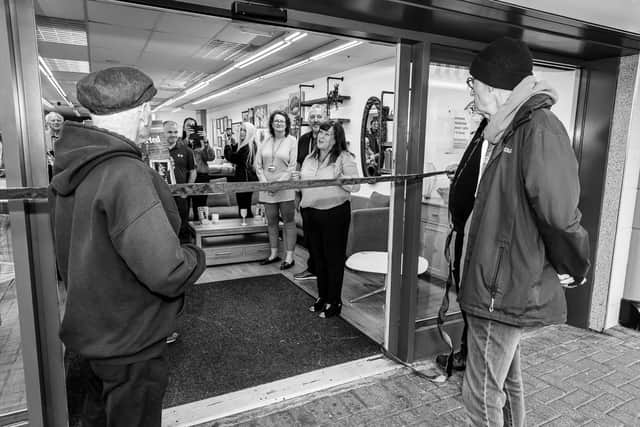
(203, 213)
(215, 217)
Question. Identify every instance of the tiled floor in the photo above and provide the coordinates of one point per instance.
(12, 387)
(572, 377)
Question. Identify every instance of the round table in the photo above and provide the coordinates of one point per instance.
(376, 262)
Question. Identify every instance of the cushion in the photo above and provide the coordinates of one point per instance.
(378, 200)
(218, 199)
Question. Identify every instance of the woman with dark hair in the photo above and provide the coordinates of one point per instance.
(243, 156)
(194, 138)
(328, 212)
(275, 161)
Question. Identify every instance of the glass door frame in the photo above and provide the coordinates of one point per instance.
(35, 274)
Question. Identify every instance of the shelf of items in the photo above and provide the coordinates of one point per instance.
(323, 101)
(339, 120)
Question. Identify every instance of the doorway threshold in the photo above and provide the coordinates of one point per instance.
(226, 405)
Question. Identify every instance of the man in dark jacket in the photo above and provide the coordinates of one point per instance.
(524, 235)
(115, 226)
(462, 192)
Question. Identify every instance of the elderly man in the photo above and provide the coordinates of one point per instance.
(184, 169)
(306, 144)
(525, 240)
(53, 125)
(115, 226)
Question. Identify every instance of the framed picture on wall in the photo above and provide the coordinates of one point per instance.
(251, 118)
(164, 169)
(235, 128)
(261, 116)
(245, 116)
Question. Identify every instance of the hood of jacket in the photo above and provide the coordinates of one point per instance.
(80, 148)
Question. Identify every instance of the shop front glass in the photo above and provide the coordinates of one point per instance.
(451, 124)
(12, 381)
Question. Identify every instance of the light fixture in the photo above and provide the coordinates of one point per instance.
(175, 110)
(284, 69)
(258, 56)
(49, 75)
(46, 103)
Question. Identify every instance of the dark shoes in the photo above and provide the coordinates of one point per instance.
(287, 265)
(459, 361)
(317, 306)
(331, 310)
(269, 261)
(305, 275)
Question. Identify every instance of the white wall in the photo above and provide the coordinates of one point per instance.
(177, 117)
(359, 83)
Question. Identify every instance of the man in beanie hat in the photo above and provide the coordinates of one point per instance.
(524, 235)
(115, 227)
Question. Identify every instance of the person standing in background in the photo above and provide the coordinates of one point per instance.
(53, 126)
(306, 145)
(202, 153)
(524, 239)
(184, 169)
(327, 213)
(276, 160)
(115, 228)
(243, 156)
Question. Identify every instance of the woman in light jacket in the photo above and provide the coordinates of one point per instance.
(276, 160)
(243, 155)
(327, 210)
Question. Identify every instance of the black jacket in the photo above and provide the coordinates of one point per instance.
(115, 228)
(525, 226)
(244, 171)
(305, 147)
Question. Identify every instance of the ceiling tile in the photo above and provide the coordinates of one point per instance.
(115, 57)
(69, 9)
(63, 51)
(114, 37)
(191, 25)
(175, 45)
(124, 16)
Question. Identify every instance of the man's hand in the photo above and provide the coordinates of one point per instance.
(569, 282)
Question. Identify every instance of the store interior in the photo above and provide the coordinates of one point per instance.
(223, 72)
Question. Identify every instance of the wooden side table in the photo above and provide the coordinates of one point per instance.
(228, 241)
(376, 262)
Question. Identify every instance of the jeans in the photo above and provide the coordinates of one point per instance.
(492, 389)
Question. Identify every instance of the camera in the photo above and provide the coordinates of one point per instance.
(196, 141)
(197, 128)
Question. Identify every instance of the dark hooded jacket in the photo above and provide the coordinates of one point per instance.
(115, 228)
(525, 227)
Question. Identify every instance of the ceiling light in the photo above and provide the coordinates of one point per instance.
(336, 50)
(175, 110)
(49, 75)
(63, 31)
(262, 54)
(47, 103)
(290, 67)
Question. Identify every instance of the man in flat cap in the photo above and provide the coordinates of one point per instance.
(115, 227)
(524, 239)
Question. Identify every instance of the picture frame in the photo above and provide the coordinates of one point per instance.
(235, 129)
(245, 116)
(261, 116)
(251, 118)
(164, 169)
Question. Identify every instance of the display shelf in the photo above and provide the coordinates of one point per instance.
(340, 120)
(323, 101)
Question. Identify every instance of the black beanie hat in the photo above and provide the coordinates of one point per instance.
(115, 89)
(503, 64)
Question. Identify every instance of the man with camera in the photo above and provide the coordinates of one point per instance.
(184, 169)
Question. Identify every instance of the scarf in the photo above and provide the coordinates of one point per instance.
(526, 89)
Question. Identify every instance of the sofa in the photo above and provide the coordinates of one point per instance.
(225, 204)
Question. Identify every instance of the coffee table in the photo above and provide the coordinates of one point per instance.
(376, 262)
(228, 241)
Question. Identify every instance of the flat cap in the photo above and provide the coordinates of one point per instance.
(115, 89)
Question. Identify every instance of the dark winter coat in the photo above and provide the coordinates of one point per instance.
(525, 227)
(115, 227)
